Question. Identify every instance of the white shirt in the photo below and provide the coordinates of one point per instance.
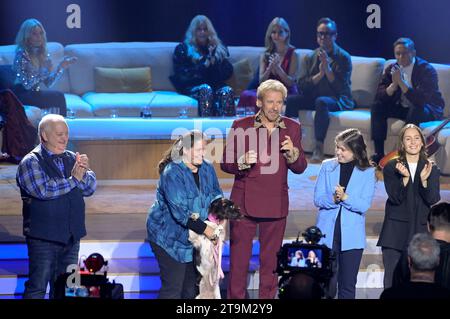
(406, 76)
(412, 169)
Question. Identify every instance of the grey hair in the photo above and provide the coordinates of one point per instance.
(46, 120)
(424, 252)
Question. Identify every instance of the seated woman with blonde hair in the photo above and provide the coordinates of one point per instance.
(34, 69)
(201, 68)
(277, 62)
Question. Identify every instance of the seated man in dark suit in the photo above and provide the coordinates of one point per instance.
(408, 91)
(324, 82)
(439, 228)
(423, 260)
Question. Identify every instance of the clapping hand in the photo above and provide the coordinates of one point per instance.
(81, 166)
(324, 65)
(67, 61)
(426, 171)
(396, 74)
(211, 54)
(274, 62)
(82, 160)
(401, 168)
(339, 194)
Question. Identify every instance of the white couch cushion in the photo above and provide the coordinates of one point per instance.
(34, 114)
(366, 74)
(162, 103)
(157, 55)
(359, 119)
(78, 105)
(443, 72)
(251, 53)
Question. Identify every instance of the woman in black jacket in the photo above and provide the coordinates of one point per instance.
(412, 185)
(201, 67)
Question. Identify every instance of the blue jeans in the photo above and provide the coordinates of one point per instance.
(323, 105)
(47, 260)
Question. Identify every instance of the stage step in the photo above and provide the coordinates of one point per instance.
(137, 249)
(133, 264)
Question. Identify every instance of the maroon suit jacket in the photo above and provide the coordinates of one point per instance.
(262, 190)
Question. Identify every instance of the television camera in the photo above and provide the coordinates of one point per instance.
(305, 257)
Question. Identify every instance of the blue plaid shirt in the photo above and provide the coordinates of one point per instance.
(33, 179)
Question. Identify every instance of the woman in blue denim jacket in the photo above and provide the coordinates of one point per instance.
(187, 186)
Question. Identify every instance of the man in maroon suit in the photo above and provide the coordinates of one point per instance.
(259, 151)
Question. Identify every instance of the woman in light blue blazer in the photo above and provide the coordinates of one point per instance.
(343, 193)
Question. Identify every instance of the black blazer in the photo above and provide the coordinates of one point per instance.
(407, 207)
(424, 92)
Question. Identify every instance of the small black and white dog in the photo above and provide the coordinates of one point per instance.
(209, 258)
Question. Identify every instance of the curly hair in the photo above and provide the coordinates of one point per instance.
(175, 152)
(191, 41)
(224, 208)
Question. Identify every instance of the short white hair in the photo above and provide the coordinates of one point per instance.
(47, 120)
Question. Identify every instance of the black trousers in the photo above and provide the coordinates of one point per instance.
(42, 99)
(345, 268)
(390, 259)
(380, 113)
(323, 105)
(178, 280)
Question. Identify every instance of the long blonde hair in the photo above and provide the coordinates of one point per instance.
(270, 46)
(190, 39)
(22, 41)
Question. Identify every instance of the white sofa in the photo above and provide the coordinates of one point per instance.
(79, 87)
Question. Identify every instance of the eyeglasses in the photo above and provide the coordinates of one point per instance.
(325, 34)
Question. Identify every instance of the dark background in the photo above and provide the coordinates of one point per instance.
(241, 22)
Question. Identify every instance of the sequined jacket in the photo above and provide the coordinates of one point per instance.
(32, 77)
(189, 73)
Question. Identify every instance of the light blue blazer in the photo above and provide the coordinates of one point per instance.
(360, 190)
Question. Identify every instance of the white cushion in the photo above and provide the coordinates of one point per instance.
(157, 55)
(162, 103)
(443, 72)
(34, 114)
(78, 105)
(359, 118)
(366, 74)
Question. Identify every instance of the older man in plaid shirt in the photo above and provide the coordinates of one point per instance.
(53, 183)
